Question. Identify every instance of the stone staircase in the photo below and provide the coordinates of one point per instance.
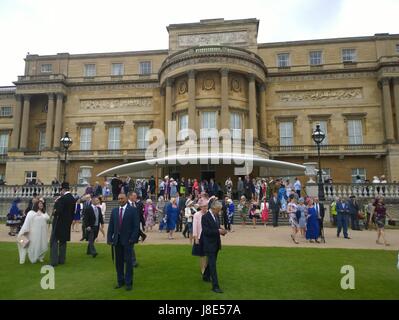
(237, 219)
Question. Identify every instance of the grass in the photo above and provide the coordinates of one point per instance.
(170, 272)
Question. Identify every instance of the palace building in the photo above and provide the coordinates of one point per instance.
(215, 74)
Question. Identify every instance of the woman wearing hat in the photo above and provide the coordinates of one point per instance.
(198, 249)
(189, 214)
(172, 212)
(149, 213)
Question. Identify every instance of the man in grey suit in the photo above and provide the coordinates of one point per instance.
(62, 220)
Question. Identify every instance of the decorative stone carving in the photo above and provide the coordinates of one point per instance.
(235, 85)
(217, 38)
(328, 76)
(115, 104)
(150, 85)
(182, 88)
(321, 95)
(208, 84)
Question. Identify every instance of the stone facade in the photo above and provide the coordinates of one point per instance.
(210, 66)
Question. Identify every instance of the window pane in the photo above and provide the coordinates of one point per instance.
(90, 70)
(42, 139)
(348, 55)
(145, 67)
(235, 125)
(117, 69)
(183, 126)
(141, 133)
(84, 175)
(355, 131)
(3, 143)
(85, 138)
(358, 172)
(5, 111)
(46, 68)
(315, 58)
(286, 133)
(114, 134)
(283, 60)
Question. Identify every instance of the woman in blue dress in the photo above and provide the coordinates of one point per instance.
(312, 224)
(172, 212)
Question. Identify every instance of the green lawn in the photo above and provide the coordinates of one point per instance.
(170, 272)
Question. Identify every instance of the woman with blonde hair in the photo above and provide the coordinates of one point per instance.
(172, 212)
(198, 246)
(149, 212)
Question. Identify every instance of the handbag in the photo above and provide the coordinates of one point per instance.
(360, 215)
(23, 241)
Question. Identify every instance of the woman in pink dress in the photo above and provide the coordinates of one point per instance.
(149, 212)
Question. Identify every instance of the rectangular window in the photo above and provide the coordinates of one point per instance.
(358, 172)
(90, 70)
(145, 67)
(348, 55)
(117, 69)
(397, 48)
(141, 133)
(355, 131)
(114, 138)
(6, 111)
(283, 60)
(183, 126)
(315, 58)
(42, 139)
(208, 123)
(286, 133)
(323, 128)
(46, 68)
(30, 176)
(85, 138)
(84, 175)
(235, 125)
(3, 143)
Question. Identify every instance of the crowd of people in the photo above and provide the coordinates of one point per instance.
(181, 206)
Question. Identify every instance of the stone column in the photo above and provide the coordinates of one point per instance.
(162, 111)
(252, 105)
(387, 109)
(396, 99)
(191, 101)
(50, 120)
(168, 105)
(16, 123)
(58, 121)
(25, 123)
(263, 129)
(224, 88)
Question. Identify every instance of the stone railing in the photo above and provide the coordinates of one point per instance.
(361, 190)
(46, 191)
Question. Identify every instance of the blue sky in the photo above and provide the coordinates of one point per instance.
(84, 26)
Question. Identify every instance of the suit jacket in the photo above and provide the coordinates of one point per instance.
(322, 212)
(274, 206)
(63, 217)
(129, 232)
(353, 207)
(340, 209)
(210, 233)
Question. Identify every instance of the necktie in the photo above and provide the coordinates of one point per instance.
(120, 218)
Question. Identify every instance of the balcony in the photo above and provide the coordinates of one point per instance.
(329, 149)
(361, 190)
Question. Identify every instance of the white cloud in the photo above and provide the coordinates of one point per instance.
(52, 26)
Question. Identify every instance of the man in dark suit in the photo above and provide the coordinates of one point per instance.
(354, 209)
(93, 219)
(319, 207)
(210, 235)
(123, 233)
(116, 187)
(275, 206)
(342, 217)
(64, 209)
(181, 204)
(135, 201)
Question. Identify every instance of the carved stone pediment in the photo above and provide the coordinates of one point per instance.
(321, 95)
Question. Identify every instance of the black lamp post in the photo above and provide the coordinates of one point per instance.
(66, 142)
(318, 137)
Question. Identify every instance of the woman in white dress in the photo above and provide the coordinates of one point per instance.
(35, 230)
(291, 210)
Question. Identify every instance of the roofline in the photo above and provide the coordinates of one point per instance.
(378, 36)
(206, 22)
(96, 55)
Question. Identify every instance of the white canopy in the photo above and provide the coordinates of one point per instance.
(272, 168)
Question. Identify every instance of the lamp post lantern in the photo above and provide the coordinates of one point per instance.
(318, 137)
(66, 142)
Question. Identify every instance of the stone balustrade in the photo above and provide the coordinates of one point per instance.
(46, 191)
(361, 190)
